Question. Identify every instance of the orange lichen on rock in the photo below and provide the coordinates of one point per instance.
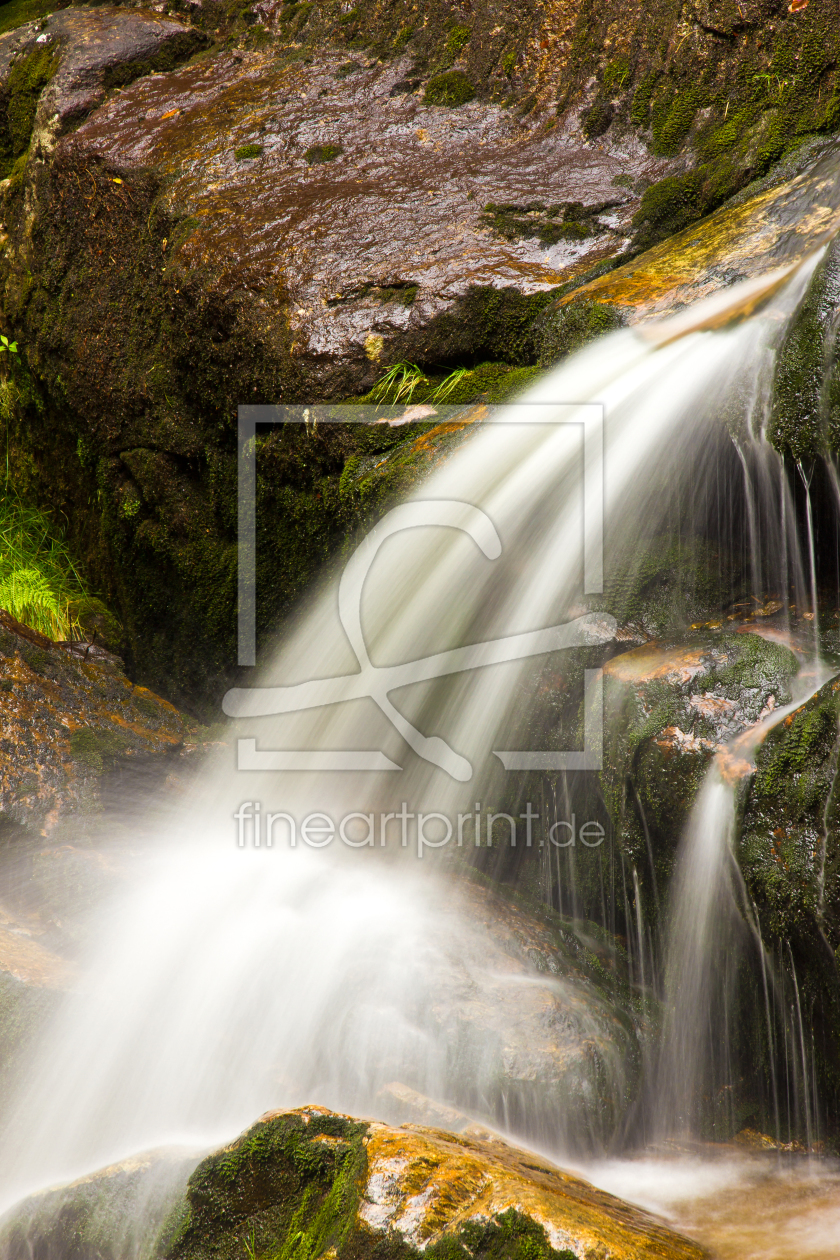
(424, 1183)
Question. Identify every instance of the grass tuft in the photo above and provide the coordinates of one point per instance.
(450, 383)
(399, 383)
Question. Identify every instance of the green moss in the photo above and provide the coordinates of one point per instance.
(597, 119)
(293, 12)
(641, 103)
(566, 221)
(27, 77)
(292, 1188)
(402, 37)
(247, 151)
(95, 749)
(457, 39)
(15, 13)
(565, 329)
(671, 129)
(485, 325)
(805, 416)
(451, 89)
(318, 154)
(666, 208)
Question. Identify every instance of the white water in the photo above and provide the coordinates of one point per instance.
(741, 1206)
(706, 932)
(230, 980)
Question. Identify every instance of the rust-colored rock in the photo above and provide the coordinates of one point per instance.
(770, 232)
(346, 1187)
(69, 715)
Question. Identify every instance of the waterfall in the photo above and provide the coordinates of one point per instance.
(708, 931)
(231, 977)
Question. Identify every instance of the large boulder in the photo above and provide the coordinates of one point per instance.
(275, 203)
(322, 1184)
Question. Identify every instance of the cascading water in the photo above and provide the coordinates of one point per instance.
(239, 977)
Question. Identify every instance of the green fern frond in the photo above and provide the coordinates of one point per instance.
(39, 583)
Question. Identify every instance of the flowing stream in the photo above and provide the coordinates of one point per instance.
(232, 976)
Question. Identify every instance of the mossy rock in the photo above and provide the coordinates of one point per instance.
(29, 74)
(451, 89)
(789, 854)
(789, 846)
(669, 706)
(667, 207)
(312, 1183)
(805, 416)
(318, 154)
(564, 329)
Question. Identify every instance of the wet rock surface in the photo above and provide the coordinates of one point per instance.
(353, 214)
(773, 229)
(669, 708)
(342, 1187)
(67, 722)
(76, 56)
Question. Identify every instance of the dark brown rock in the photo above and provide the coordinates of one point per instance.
(66, 722)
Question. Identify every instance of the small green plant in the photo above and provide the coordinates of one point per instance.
(449, 384)
(451, 89)
(399, 383)
(457, 39)
(8, 347)
(320, 153)
(39, 583)
(247, 151)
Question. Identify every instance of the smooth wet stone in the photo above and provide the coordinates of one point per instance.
(67, 722)
(333, 1186)
(365, 246)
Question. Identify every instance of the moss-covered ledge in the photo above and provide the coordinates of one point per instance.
(312, 1183)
